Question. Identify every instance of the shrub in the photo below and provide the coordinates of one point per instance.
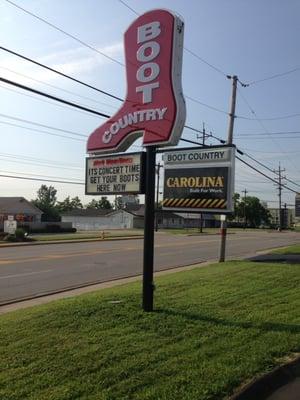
(20, 234)
(10, 238)
(3, 235)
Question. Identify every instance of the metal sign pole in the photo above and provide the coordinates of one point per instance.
(148, 285)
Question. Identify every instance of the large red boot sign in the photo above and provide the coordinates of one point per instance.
(154, 106)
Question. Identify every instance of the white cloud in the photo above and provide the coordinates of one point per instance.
(71, 61)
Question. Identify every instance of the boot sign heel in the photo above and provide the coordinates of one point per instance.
(154, 106)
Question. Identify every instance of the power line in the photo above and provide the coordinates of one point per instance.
(264, 128)
(270, 152)
(269, 169)
(249, 165)
(41, 125)
(266, 137)
(263, 174)
(65, 101)
(186, 49)
(243, 153)
(43, 160)
(58, 88)
(40, 179)
(267, 133)
(40, 131)
(69, 103)
(27, 162)
(206, 105)
(270, 119)
(183, 140)
(112, 59)
(60, 73)
(45, 101)
(205, 62)
(65, 33)
(255, 160)
(78, 106)
(43, 176)
(193, 129)
(130, 8)
(99, 90)
(275, 76)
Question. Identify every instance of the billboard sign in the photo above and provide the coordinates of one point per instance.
(118, 174)
(154, 106)
(297, 205)
(199, 180)
(10, 226)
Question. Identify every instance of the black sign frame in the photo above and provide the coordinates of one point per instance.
(228, 164)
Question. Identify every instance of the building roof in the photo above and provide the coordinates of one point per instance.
(136, 209)
(86, 212)
(18, 205)
(195, 215)
(186, 216)
(166, 214)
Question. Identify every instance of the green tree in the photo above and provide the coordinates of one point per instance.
(236, 200)
(255, 213)
(119, 205)
(122, 202)
(102, 204)
(46, 202)
(69, 204)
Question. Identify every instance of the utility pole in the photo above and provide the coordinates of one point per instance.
(280, 177)
(245, 193)
(158, 167)
(234, 79)
(204, 136)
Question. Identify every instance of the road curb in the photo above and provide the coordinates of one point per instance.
(21, 244)
(263, 387)
(47, 297)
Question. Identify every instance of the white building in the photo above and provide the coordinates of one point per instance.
(94, 220)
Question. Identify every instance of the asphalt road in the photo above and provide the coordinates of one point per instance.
(36, 270)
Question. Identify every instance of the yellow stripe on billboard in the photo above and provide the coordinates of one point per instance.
(219, 204)
(201, 202)
(185, 202)
(214, 203)
(189, 204)
(196, 203)
(180, 202)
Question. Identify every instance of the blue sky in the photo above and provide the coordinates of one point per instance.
(252, 39)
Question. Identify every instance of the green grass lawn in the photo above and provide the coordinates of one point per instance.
(214, 328)
(208, 231)
(88, 235)
(189, 231)
(294, 249)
